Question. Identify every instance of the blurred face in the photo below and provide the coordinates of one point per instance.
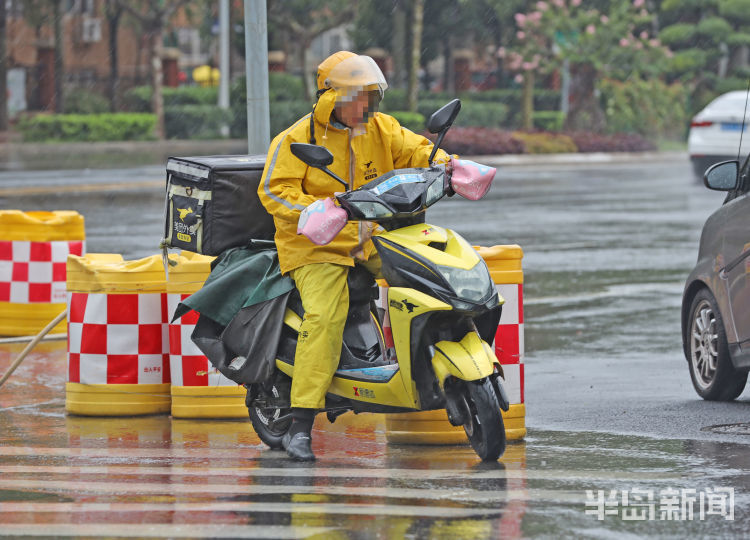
(356, 108)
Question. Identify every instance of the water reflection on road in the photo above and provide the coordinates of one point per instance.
(155, 476)
(606, 251)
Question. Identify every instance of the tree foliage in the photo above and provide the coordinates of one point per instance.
(710, 40)
(615, 40)
(304, 20)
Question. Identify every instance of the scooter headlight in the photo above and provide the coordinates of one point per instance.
(435, 192)
(474, 284)
(371, 210)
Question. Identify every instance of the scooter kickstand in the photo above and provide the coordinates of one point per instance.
(332, 415)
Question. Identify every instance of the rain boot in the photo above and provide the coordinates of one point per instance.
(298, 440)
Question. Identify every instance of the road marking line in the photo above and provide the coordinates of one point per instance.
(455, 494)
(79, 188)
(178, 489)
(131, 453)
(322, 472)
(158, 530)
(254, 507)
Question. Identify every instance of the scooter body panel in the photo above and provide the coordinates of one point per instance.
(470, 359)
(389, 392)
(418, 238)
(381, 385)
(404, 305)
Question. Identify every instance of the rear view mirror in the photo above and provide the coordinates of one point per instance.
(443, 118)
(722, 176)
(312, 154)
(316, 156)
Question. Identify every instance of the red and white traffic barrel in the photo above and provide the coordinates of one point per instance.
(118, 343)
(198, 389)
(33, 250)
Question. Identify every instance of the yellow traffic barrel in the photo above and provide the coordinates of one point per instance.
(118, 346)
(33, 249)
(198, 389)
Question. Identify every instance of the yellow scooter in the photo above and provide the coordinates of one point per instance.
(441, 302)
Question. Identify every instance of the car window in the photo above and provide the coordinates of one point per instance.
(734, 101)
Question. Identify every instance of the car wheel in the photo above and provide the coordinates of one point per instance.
(711, 369)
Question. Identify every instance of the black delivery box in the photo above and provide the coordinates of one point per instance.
(212, 203)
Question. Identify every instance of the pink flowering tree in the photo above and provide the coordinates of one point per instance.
(617, 43)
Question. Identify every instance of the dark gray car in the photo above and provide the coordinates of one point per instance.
(716, 300)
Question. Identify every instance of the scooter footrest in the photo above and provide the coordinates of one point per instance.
(378, 373)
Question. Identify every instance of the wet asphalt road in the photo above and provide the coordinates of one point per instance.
(609, 401)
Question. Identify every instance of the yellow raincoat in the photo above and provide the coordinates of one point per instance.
(320, 272)
(360, 155)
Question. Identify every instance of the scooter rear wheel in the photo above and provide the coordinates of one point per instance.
(265, 424)
(485, 428)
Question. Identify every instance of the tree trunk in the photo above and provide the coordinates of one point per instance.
(307, 84)
(113, 20)
(740, 58)
(139, 56)
(449, 72)
(59, 66)
(585, 113)
(3, 69)
(416, 50)
(157, 80)
(527, 101)
(398, 45)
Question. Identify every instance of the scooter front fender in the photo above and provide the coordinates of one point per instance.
(470, 359)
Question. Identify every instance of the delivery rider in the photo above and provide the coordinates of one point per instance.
(365, 144)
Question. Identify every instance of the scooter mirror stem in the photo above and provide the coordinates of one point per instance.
(333, 175)
(437, 145)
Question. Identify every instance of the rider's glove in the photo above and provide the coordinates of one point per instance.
(322, 221)
(470, 179)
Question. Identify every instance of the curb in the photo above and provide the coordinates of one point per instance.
(121, 147)
(591, 158)
(123, 154)
(81, 155)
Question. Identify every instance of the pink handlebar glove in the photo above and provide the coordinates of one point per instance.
(322, 221)
(470, 179)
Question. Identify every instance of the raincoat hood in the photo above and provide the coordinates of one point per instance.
(324, 107)
(340, 78)
(370, 149)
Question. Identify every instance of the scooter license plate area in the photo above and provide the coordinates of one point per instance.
(470, 359)
(389, 392)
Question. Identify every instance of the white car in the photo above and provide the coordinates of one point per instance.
(715, 132)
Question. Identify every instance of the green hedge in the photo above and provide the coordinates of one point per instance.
(412, 121)
(282, 87)
(88, 127)
(648, 107)
(80, 101)
(287, 103)
(546, 143)
(507, 99)
(138, 99)
(195, 121)
(548, 120)
(282, 115)
(473, 113)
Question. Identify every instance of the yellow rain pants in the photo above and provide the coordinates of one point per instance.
(325, 299)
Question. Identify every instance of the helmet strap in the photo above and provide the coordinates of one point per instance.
(319, 93)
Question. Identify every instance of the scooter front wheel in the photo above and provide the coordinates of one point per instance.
(270, 423)
(485, 427)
